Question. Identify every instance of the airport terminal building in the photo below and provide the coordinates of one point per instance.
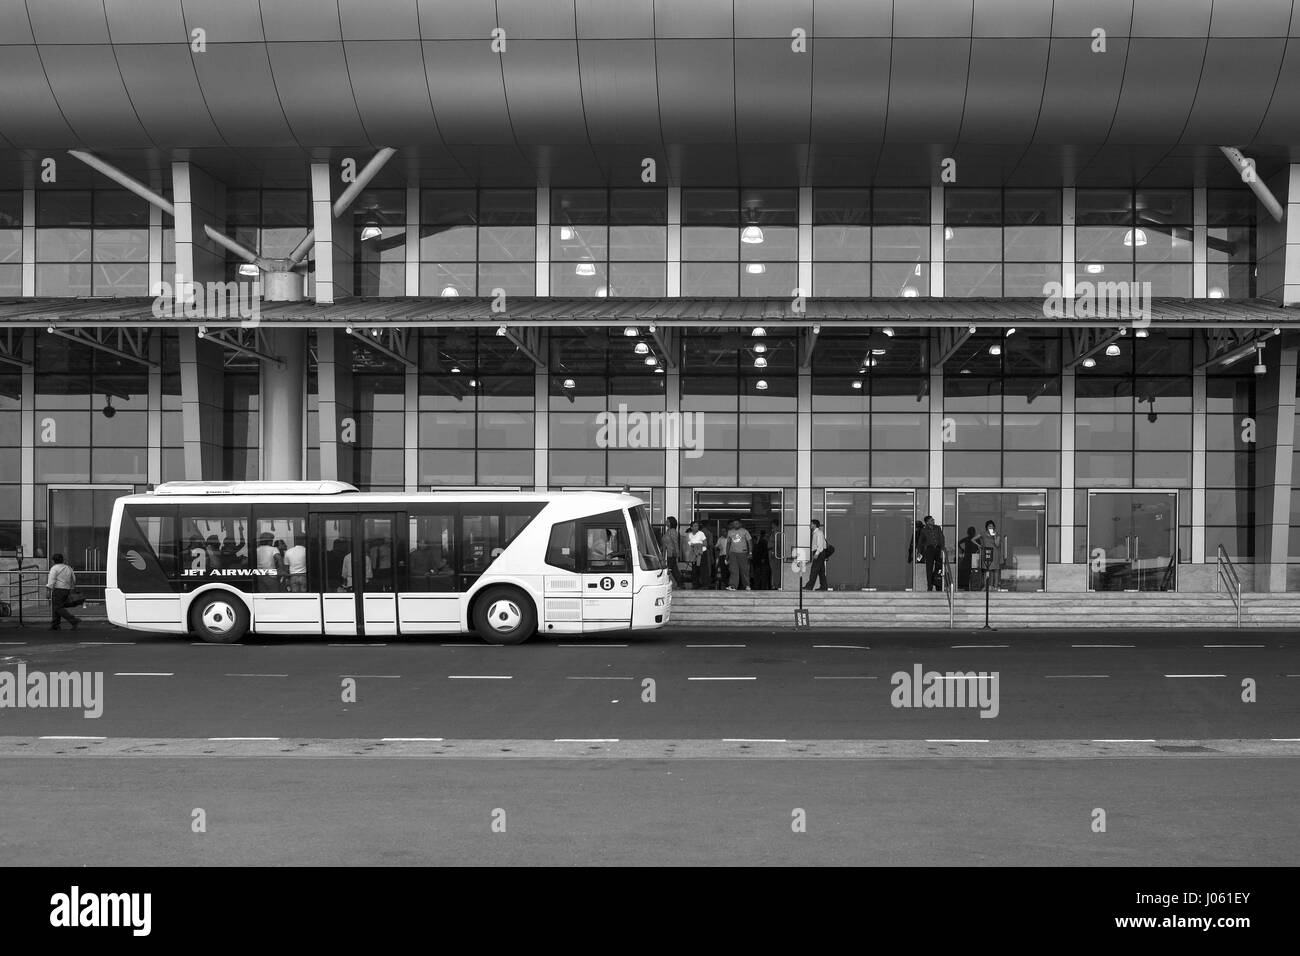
(775, 260)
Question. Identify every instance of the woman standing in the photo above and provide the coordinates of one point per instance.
(990, 543)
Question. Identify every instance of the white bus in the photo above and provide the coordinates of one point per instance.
(222, 559)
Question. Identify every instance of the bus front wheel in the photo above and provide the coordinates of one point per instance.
(504, 615)
(219, 618)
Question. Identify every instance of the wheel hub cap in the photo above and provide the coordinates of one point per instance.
(218, 617)
(504, 615)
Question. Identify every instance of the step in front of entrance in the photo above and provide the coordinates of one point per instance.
(911, 609)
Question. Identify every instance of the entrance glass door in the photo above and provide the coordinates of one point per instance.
(872, 532)
(1021, 519)
(755, 510)
(1132, 540)
(79, 517)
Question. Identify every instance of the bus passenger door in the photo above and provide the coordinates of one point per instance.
(429, 601)
(383, 544)
(333, 573)
(607, 572)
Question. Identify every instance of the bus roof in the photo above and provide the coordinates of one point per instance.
(327, 492)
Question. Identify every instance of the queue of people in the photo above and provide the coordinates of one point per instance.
(734, 560)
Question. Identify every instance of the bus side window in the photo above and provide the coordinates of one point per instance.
(433, 549)
(562, 549)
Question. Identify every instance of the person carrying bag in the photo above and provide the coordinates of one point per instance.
(61, 584)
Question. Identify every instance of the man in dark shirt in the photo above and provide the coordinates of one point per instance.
(931, 542)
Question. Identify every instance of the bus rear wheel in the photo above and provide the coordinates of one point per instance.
(504, 615)
(219, 618)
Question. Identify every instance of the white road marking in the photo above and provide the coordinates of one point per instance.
(144, 674)
(847, 647)
(243, 738)
(956, 647)
(591, 645)
(957, 740)
(12, 643)
(715, 645)
(479, 677)
(1285, 740)
(1232, 645)
(54, 737)
(208, 644)
(1102, 645)
(257, 675)
(722, 678)
(478, 644)
(357, 645)
(754, 740)
(1063, 676)
(586, 740)
(600, 678)
(1124, 740)
(1196, 675)
(373, 676)
(106, 643)
(865, 677)
(395, 740)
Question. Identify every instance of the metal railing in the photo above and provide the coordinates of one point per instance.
(24, 590)
(1231, 583)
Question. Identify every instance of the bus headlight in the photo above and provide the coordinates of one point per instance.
(660, 602)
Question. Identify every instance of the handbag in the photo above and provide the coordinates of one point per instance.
(828, 551)
(75, 599)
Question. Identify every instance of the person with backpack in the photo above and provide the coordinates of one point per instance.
(820, 552)
(932, 548)
(60, 583)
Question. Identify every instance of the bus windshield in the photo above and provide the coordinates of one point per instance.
(647, 548)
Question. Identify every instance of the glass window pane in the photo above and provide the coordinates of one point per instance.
(638, 279)
(974, 279)
(644, 206)
(710, 279)
(507, 243)
(710, 243)
(638, 243)
(511, 278)
(446, 467)
(720, 207)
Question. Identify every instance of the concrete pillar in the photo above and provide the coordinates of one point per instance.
(334, 249)
(1278, 243)
(284, 399)
(202, 405)
(803, 497)
(28, 462)
(199, 200)
(541, 427)
(674, 279)
(334, 404)
(542, 267)
(29, 249)
(937, 249)
(155, 415)
(1275, 411)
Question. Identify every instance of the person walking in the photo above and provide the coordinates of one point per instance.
(966, 551)
(762, 569)
(61, 581)
(671, 542)
(820, 552)
(697, 550)
(739, 549)
(932, 545)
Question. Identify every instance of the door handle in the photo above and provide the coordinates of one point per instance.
(873, 546)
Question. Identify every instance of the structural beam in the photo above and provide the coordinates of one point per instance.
(250, 342)
(345, 200)
(125, 181)
(666, 338)
(11, 348)
(1087, 342)
(528, 341)
(391, 343)
(1226, 346)
(1251, 178)
(950, 340)
(808, 345)
(132, 345)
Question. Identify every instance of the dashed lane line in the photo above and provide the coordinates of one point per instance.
(1196, 675)
(591, 645)
(1233, 645)
(68, 737)
(1103, 645)
(600, 678)
(722, 678)
(957, 740)
(1068, 676)
(956, 647)
(715, 645)
(356, 644)
(410, 740)
(848, 677)
(754, 740)
(257, 675)
(844, 647)
(373, 676)
(586, 740)
(144, 674)
(106, 643)
(240, 739)
(479, 677)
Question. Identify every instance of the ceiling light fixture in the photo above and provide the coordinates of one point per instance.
(1112, 350)
(570, 383)
(1011, 331)
(631, 332)
(602, 292)
(760, 362)
(910, 293)
(566, 234)
(585, 269)
(249, 269)
(995, 349)
(449, 292)
(947, 233)
(651, 360)
(751, 235)
(455, 370)
(888, 331)
(755, 268)
(1216, 292)
(1135, 237)
(370, 231)
(1095, 267)
(659, 369)
(857, 383)
(501, 330)
(1089, 362)
(758, 332)
(761, 385)
(642, 349)
(1141, 333)
(760, 348)
(877, 351)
